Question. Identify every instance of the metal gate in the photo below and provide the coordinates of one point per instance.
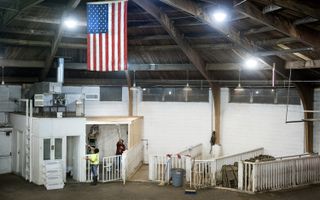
(110, 169)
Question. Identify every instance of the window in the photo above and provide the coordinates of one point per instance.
(58, 148)
(264, 96)
(46, 149)
(175, 95)
(110, 93)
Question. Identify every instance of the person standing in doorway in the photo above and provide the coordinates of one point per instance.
(120, 147)
(94, 163)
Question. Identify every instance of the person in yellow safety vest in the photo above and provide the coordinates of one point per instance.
(94, 163)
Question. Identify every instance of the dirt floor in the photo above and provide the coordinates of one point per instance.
(15, 188)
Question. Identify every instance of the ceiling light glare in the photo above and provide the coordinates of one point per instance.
(70, 23)
(251, 63)
(257, 92)
(220, 16)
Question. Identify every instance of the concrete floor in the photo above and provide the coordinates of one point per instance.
(15, 188)
(142, 174)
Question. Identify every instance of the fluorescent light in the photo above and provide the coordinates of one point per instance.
(220, 16)
(70, 23)
(170, 93)
(257, 92)
(251, 63)
(144, 89)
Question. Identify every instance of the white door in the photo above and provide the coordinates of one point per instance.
(52, 148)
(5, 152)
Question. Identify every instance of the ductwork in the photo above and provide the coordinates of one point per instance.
(60, 70)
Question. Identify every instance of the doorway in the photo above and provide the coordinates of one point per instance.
(73, 159)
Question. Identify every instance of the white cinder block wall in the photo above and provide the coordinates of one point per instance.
(316, 128)
(171, 127)
(246, 126)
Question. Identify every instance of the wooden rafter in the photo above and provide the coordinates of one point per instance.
(298, 6)
(10, 15)
(193, 56)
(55, 42)
(279, 23)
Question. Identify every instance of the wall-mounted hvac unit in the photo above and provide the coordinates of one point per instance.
(92, 97)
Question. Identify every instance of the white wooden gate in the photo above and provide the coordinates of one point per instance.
(111, 168)
(108, 170)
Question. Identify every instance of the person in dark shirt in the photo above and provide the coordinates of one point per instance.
(120, 147)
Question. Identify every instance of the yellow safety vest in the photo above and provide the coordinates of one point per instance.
(94, 159)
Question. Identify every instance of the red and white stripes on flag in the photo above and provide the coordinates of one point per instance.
(107, 36)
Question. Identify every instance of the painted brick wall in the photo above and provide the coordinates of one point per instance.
(174, 126)
(316, 130)
(246, 126)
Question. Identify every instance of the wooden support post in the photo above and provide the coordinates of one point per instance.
(130, 94)
(216, 92)
(306, 93)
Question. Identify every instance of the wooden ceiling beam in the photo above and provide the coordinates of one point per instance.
(22, 63)
(55, 42)
(167, 24)
(309, 64)
(305, 20)
(10, 15)
(49, 33)
(213, 47)
(273, 42)
(132, 66)
(299, 6)
(270, 8)
(281, 24)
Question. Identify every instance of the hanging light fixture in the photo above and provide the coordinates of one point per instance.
(239, 88)
(134, 86)
(187, 88)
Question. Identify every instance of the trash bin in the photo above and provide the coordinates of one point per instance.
(177, 175)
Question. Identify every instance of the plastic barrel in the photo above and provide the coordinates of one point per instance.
(177, 175)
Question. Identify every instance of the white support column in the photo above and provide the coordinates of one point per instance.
(254, 177)
(151, 168)
(240, 175)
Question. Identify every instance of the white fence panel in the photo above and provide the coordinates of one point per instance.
(278, 174)
(160, 166)
(132, 159)
(195, 152)
(204, 171)
(202, 175)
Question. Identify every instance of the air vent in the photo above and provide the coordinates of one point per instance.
(92, 97)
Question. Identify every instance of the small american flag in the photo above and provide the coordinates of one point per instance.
(107, 36)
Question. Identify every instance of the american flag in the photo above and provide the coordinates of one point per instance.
(107, 36)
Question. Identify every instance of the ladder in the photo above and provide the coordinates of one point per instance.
(28, 140)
